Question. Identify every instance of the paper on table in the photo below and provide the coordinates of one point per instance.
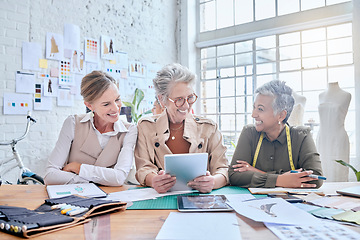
(273, 210)
(140, 194)
(239, 197)
(284, 190)
(82, 189)
(323, 231)
(200, 226)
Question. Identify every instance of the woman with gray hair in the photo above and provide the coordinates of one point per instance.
(267, 151)
(176, 130)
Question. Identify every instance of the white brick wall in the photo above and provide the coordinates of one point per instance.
(145, 29)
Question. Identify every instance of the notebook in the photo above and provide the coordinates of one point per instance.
(351, 191)
(185, 167)
(82, 189)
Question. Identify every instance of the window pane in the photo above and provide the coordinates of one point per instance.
(292, 79)
(225, 50)
(290, 65)
(265, 68)
(227, 123)
(264, 9)
(240, 104)
(342, 30)
(227, 105)
(226, 72)
(240, 86)
(225, 13)
(226, 61)
(310, 4)
(245, 70)
(208, 89)
(343, 75)
(313, 35)
(340, 59)
(208, 106)
(207, 16)
(312, 102)
(227, 87)
(242, 120)
(290, 52)
(243, 11)
(208, 74)
(314, 79)
(288, 6)
(243, 46)
(289, 39)
(244, 58)
(208, 64)
(260, 80)
(340, 45)
(314, 62)
(314, 49)
(265, 42)
(208, 52)
(330, 2)
(268, 55)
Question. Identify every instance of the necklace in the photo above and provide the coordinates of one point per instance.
(174, 130)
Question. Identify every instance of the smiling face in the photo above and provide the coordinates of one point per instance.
(263, 113)
(107, 107)
(179, 90)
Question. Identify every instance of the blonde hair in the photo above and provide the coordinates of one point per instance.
(94, 84)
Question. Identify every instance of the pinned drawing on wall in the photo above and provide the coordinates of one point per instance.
(25, 82)
(54, 46)
(65, 77)
(107, 48)
(43, 75)
(51, 87)
(31, 55)
(75, 90)
(65, 98)
(41, 102)
(15, 103)
(113, 70)
(91, 50)
(92, 67)
(137, 69)
(77, 64)
(122, 59)
(71, 36)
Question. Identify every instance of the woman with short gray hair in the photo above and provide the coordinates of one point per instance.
(177, 131)
(267, 151)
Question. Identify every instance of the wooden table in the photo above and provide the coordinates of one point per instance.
(129, 224)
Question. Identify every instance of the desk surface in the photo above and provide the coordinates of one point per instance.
(129, 224)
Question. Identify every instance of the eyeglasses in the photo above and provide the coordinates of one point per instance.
(179, 102)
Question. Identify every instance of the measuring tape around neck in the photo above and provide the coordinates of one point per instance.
(288, 146)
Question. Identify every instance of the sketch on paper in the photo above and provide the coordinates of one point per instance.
(54, 46)
(77, 62)
(51, 87)
(137, 69)
(107, 48)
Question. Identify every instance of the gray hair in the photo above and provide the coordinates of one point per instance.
(169, 75)
(283, 99)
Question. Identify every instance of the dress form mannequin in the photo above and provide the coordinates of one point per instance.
(333, 141)
(297, 114)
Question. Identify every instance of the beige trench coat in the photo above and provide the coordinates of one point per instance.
(201, 133)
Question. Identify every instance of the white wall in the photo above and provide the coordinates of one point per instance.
(146, 30)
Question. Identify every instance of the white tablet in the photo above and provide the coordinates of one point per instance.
(185, 167)
(203, 203)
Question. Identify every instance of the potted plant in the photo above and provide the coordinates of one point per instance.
(135, 105)
(357, 173)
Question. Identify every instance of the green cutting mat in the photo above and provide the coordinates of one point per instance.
(170, 202)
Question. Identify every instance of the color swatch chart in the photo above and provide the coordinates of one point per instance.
(91, 50)
(64, 73)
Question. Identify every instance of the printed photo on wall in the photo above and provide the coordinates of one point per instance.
(54, 46)
(51, 87)
(137, 69)
(77, 62)
(91, 50)
(107, 48)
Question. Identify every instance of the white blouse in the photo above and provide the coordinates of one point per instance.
(90, 173)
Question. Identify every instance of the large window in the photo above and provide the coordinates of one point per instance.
(307, 60)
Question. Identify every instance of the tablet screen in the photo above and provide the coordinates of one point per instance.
(203, 203)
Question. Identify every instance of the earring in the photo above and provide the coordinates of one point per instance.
(279, 122)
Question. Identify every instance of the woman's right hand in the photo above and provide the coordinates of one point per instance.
(163, 182)
(295, 180)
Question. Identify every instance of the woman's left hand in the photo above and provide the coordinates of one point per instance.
(72, 167)
(203, 184)
(243, 166)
